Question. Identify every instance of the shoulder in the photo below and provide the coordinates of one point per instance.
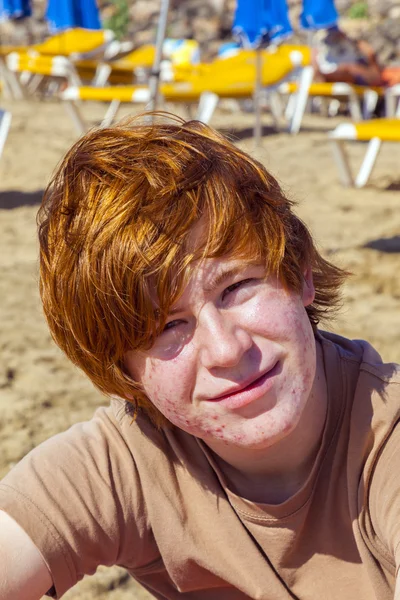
(369, 391)
(384, 497)
(360, 360)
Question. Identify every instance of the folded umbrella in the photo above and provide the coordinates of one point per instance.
(318, 14)
(66, 14)
(259, 21)
(256, 23)
(14, 9)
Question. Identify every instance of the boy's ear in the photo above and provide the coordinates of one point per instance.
(308, 293)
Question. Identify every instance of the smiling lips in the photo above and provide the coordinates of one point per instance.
(241, 396)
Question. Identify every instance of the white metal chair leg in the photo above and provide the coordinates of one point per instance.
(33, 83)
(102, 74)
(6, 89)
(111, 113)
(342, 161)
(5, 122)
(370, 101)
(368, 163)
(290, 106)
(207, 105)
(305, 80)
(392, 104)
(333, 107)
(354, 106)
(275, 104)
(78, 121)
(13, 83)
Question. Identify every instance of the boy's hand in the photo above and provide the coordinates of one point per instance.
(23, 572)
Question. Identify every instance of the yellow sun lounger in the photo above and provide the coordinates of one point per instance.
(375, 132)
(75, 42)
(40, 66)
(362, 100)
(205, 86)
(183, 63)
(136, 64)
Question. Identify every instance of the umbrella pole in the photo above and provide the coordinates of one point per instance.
(257, 99)
(155, 71)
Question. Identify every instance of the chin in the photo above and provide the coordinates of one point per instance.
(268, 432)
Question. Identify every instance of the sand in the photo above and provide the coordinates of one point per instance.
(41, 393)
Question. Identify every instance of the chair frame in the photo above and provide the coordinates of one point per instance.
(360, 107)
(347, 132)
(5, 123)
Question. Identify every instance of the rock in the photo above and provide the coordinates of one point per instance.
(394, 12)
(379, 8)
(205, 30)
(390, 29)
(343, 6)
(142, 11)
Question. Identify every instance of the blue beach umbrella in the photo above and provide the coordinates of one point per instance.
(14, 9)
(66, 14)
(318, 14)
(258, 21)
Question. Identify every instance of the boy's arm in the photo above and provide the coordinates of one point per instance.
(23, 572)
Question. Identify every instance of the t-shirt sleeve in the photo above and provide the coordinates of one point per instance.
(384, 497)
(78, 497)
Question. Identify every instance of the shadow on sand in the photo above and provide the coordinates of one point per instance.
(394, 186)
(390, 245)
(246, 133)
(13, 199)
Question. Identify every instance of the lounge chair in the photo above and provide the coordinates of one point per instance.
(33, 68)
(374, 132)
(135, 66)
(201, 84)
(362, 100)
(76, 45)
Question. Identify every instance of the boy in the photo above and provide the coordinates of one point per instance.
(245, 453)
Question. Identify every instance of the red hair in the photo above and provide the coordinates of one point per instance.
(115, 224)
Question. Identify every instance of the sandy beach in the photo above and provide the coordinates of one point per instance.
(42, 394)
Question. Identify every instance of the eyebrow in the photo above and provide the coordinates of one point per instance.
(221, 277)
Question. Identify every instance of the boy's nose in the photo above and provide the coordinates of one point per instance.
(222, 340)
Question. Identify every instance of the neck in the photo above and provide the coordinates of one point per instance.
(286, 464)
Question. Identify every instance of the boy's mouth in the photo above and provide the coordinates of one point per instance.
(249, 390)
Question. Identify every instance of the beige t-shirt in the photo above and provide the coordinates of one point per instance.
(113, 491)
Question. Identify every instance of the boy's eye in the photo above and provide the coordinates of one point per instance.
(172, 324)
(235, 286)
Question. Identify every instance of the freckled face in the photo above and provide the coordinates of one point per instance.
(236, 361)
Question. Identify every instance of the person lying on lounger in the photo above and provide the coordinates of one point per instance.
(245, 452)
(339, 58)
